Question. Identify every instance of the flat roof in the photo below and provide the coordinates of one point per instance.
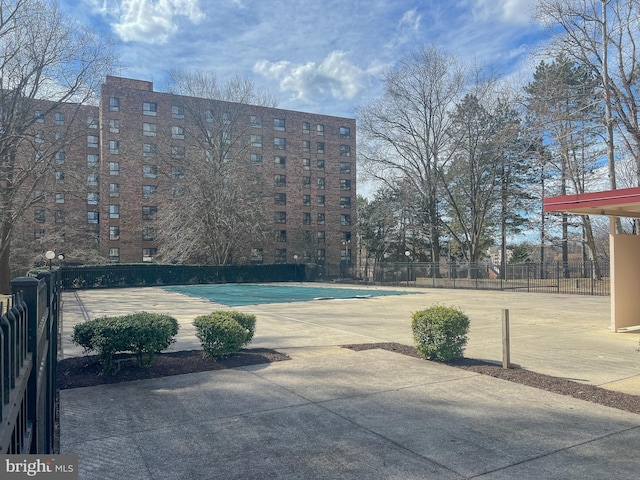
(624, 202)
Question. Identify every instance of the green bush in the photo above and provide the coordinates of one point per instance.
(142, 333)
(440, 333)
(224, 332)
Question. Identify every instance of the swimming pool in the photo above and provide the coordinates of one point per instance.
(240, 294)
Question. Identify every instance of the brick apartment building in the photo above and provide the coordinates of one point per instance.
(128, 156)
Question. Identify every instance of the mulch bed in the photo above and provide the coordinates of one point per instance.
(85, 371)
(591, 393)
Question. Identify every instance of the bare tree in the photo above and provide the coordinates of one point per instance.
(46, 61)
(405, 133)
(217, 207)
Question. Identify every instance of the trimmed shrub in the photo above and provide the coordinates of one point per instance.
(224, 332)
(440, 333)
(142, 333)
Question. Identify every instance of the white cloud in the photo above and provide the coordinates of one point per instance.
(334, 77)
(509, 11)
(148, 21)
(411, 20)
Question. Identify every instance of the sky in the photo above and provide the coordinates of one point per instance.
(321, 56)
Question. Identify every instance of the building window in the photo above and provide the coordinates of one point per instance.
(149, 150)
(114, 232)
(177, 111)
(320, 200)
(114, 147)
(320, 164)
(280, 180)
(321, 236)
(345, 167)
(320, 219)
(114, 168)
(38, 156)
(256, 121)
(149, 212)
(177, 173)
(281, 236)
(93, 160)
(177, 132)
(39, 116)
(280, 217)
(345, 219)
(345, 150)
(256, 141)
(306, 163)
(38, 216)
(114, 104)
(59, 158)
(39, 234)
(306, 146)
(320, 147)
(256, 159)
(320, 256)
(114, 254)
(279, 124)
(149, 129)
(149, 234)
(345, 132)
(279, 161)
(39, 136)
(257, 256)
(177, 192)
(114, 125)
(177, 152)
(59, 197)
(280, 255)
(59, 177)
(149, 191)
(59, 118)
(279, 143)
(114, 211)
(92, 217)
(92, 179)
(320, 183)
(92, 198)
(307, 237)
(306, 182)
(92, 141)
(345, 237)
(280, 199)
(320, 129)
(149, 108)
(306, 200)
(345, 202)
(149, 171)
(306, 128)
(114, 190)
(149, 254)
(39, 196)
(92, 122)
(208, 116)
(345, 184)
(306, 218)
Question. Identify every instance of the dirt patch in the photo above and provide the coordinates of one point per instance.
(590, 393)
(85, 371)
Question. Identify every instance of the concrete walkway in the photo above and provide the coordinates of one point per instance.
(334, 413)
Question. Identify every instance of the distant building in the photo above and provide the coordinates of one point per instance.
(127, 155)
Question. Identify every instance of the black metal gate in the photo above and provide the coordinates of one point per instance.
(28, 359)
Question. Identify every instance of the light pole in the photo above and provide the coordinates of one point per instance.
(50, 255)
(408, 255)
(295, 275)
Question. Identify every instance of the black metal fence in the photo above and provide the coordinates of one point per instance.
(583, 278)
(28, 359)
(151, 274)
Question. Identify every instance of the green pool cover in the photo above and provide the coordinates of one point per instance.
(239, 294)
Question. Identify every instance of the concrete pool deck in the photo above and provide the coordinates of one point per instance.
(334, 413)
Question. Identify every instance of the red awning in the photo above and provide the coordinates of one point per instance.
(624, 202)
